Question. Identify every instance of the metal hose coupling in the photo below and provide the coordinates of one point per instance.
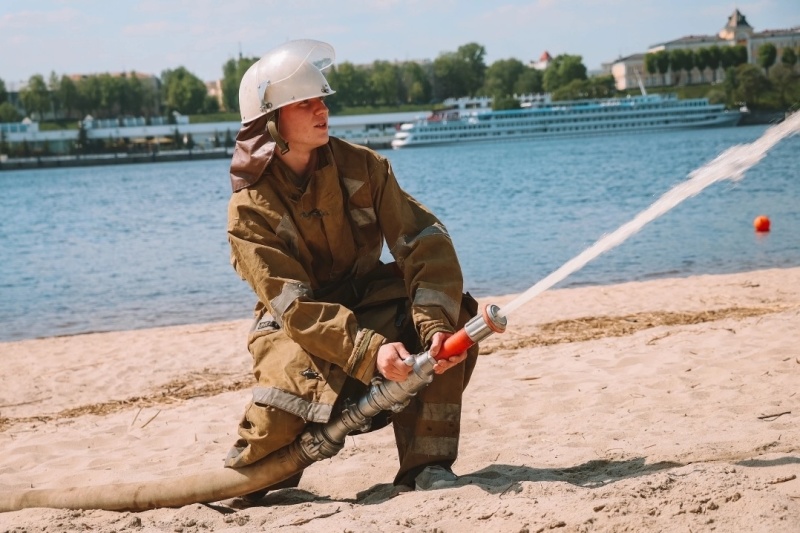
(488, 322)
(322, 441)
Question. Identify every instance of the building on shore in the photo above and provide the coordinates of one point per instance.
(630, 72)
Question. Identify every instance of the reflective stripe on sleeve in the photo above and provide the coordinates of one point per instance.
(352, 186)
(431, 297)
(364, 216)
(290, 293)
(405, 244)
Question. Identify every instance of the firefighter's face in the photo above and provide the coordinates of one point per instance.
(304, 125)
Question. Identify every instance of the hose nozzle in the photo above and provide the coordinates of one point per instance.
(478, 328)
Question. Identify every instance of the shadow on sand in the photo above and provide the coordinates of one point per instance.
(495, 479)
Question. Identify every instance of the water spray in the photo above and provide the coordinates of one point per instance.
(322, 441)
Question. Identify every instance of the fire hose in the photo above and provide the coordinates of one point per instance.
(315, 443)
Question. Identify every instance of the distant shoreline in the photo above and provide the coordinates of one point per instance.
(66, 161)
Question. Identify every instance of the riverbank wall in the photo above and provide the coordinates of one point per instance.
(164, 156)
(29, 163)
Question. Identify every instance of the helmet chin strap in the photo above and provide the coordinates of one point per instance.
(272, 127)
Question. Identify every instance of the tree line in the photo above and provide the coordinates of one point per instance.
(772, 85)
(106, 96)
(714, 57)
(384, 83)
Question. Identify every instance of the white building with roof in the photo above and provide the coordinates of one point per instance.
(628, 70)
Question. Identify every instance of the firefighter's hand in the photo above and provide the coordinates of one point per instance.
(442, 365)
(391, 363)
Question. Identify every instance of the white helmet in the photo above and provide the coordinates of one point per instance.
(289, 73)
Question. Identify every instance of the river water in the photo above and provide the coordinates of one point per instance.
(132, 246)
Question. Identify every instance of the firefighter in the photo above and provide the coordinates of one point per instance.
(307, 222)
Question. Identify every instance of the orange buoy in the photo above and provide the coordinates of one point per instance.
(761, 223)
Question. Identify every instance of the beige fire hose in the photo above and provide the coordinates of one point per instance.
(210, 486)
(317, 442)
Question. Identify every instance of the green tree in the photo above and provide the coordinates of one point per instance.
(786, 83)
(134, 96)
(351, 84)
(151, 98)
(716, 95)
(702, 59)
(3, 91)
(67, 95)
(750, 84)
(650, 64)
(35, 97)
(788, 58)
(595, 87)
(448, 77)
(662, 64)
(9, 113)
(473, 54)
(688, 64)
(125, 104)
(714, 58)
(677, 63)
(602, 86)
(574, 90)
(728, 58)
(729, 83)
(767, 53)
(232, 72)
(739, 55)
(110, 93)
(90, 96)
(562, 70)
(52, 87)
(183, 91)
(384, 79)
(459, 73)
(210, 105)
(501, 78)
(529, 82)
(416, 83)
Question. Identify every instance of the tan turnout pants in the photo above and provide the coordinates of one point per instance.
(426, 431)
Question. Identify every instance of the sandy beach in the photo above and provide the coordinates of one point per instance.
(666, 405)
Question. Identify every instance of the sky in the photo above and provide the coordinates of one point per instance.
(150, 36)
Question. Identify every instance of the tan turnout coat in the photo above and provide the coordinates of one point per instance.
(313, 259)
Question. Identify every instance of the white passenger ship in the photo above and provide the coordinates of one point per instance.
(467, 120)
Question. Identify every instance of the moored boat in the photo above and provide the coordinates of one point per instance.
(541, 117)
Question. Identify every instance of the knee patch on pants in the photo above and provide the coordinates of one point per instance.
(263, 430)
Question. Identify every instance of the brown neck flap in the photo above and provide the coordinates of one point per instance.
(253, 151)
